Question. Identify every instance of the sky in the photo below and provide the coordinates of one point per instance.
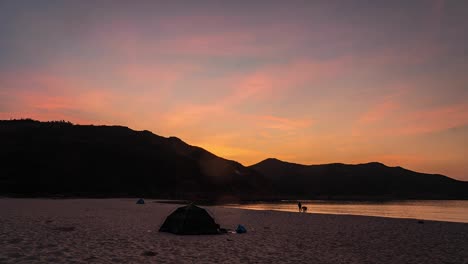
(309, 82)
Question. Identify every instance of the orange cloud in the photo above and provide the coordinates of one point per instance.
(378, 112)
(45, 97)
(384, 120)
(281, 123)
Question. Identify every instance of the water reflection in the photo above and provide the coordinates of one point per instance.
(452, 211)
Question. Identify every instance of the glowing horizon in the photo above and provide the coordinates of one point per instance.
(310, 83)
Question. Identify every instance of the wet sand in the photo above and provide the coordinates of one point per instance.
(119, 231)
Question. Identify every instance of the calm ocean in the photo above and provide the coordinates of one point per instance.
(440, 210)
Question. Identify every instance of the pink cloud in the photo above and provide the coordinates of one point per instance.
(159, 73)
(132, 44)
(436, 119)
(384, 120)
(258, 87)
(378, 112)
(197, 35)
(44, 96)
(216, 44)
(274, 81)
(154, 82)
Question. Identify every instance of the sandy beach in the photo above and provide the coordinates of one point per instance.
(119, 231)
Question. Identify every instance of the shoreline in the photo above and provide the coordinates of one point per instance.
(323, 207)
(234, 199)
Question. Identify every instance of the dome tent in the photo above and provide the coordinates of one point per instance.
(140, 201)
(190, 220)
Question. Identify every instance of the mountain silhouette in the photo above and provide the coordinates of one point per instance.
(62, 159)
(59, 158)
(362, 180)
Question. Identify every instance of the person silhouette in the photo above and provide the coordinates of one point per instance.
(300, 206)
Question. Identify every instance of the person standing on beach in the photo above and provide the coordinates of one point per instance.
(300, 206)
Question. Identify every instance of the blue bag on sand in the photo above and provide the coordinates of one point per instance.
(241, 229)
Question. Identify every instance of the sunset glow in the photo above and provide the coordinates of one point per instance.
(309, 82)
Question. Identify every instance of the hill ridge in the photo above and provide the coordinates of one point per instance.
(58, 157)
(364, 179)
(114, 161)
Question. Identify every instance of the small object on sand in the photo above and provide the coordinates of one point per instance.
(304, 209)
(420, 222)
(140, 201)
(241, 229)
(149, 253)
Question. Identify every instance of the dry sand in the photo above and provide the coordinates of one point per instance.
(119, 231)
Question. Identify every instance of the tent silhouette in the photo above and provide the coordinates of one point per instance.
(140, 201)
(190, 220)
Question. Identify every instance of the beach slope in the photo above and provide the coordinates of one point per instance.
(120, 231)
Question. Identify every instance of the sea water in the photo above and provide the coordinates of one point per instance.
(439, 210)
